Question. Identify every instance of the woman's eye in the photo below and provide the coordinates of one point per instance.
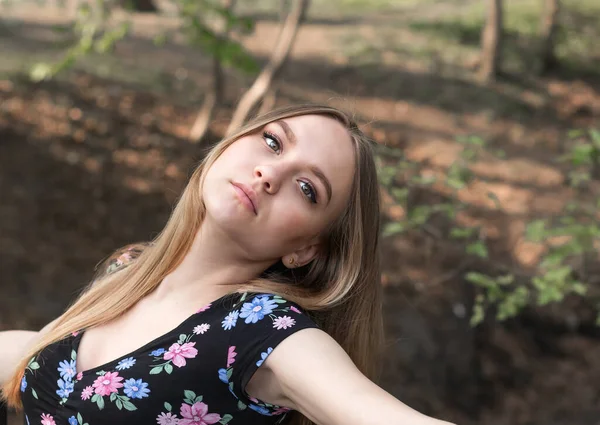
(272, 142)
(309, 191)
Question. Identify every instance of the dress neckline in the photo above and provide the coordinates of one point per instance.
(77, 339)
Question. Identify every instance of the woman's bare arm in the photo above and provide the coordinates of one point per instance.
(13, 346)
(315, 376)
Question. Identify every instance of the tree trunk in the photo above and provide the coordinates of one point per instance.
(146, 6)
(549, 27)
(280, 54)
(211, 100)
(214, 97)
(491, 42)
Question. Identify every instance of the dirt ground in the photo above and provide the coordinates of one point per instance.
(90, 163)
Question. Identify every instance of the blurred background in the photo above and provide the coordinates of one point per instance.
(486, 115)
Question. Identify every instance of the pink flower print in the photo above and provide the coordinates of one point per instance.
(167, 419)
(197, 415)
(206, 307)
(178, 353)
(87, 392)
(231, 356)
(79, 376)
(200, 329)
(75, 333)
(281, 411)
(49, 420)
(283, 322)
(295, 310)
(108, 384)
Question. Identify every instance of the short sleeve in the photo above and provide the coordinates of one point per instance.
(258, 324)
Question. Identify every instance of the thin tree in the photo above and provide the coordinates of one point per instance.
(548, 30)
(280, 54)
(491, 42)
(214, 97)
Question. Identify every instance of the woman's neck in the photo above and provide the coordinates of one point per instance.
(212, 261)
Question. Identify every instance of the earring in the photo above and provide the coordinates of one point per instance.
(292, 262)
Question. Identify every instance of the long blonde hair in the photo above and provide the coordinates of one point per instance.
(341, 289)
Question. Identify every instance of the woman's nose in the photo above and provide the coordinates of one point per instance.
(267, 176)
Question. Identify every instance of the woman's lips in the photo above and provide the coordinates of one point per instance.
(246, 195)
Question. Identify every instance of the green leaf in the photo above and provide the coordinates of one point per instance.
(113, 396)
(462, 232)
(242, 406)
(182, 338)
(225, 419)
(478, 314)
(41, 71)
(79, 419)
(168, 407)
(229, 373)
(480, 279)
(100, 402)
(536, 231)
(189, 394)
(156, 370)
(73, 355)
(95, 398)
(34, 394)
(595, 136)
(198, 399)
(400, 194)
(393, 228)
(582, 154)
(119, 404)
(478, 248)
(573, 134)
(169, 368)
(129, 406)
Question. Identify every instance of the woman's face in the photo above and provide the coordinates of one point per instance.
(275, 191)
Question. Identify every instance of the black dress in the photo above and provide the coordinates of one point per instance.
(192, 375)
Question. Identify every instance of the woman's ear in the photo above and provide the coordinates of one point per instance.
(301, 257)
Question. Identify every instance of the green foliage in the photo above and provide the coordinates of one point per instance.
(570, 239)
(584, 157)
(95, 31)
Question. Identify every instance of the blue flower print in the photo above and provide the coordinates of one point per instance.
(125, 363)
(67, 369)
(223, 375)
(23, 384)
(72, 420)
(264, 356)
(257, 308)
(65, 388)
(136, 388)
(27, 419)
(158, 352)
(230, 320)
(260, 409)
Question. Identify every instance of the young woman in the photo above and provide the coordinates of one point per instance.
(258, 303)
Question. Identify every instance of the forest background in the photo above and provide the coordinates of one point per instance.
(486, 115)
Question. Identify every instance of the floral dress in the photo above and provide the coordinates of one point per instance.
(193, 375)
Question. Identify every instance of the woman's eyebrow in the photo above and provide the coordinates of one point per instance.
(288, 131)
(316, 170)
